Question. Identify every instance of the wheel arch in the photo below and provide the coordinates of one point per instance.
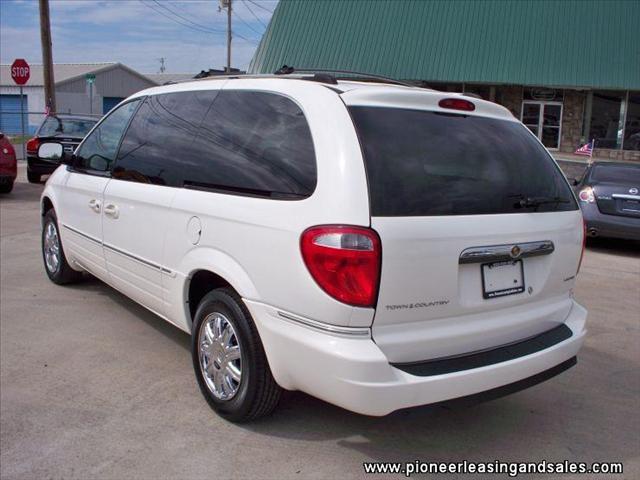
(208, 269)
(45, 205)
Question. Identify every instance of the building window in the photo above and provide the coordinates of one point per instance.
(607, 113)
(632, 123)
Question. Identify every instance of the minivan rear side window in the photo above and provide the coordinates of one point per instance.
(237, 142)
(423, 163)
(254, 143)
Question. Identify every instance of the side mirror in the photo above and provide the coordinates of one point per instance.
(50, 152)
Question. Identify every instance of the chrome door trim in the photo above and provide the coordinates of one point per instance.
(625, 196)
(360, 332)
(510, 251)
(78, 232)
(122, 252)
(136, 258)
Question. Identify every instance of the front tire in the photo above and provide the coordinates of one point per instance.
(229, 360)
(55, 262)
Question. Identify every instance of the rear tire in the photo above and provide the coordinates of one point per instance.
(55, 262)
(249, 391)
(33, 177)
(6, 187)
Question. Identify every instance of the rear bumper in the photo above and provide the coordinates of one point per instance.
(611, 226)
(40, 167)
(353, 373)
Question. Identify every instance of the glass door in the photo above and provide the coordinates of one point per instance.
(544, 119)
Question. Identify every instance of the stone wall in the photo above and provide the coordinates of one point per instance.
(510, 97)
(626, 155)
(572, 113)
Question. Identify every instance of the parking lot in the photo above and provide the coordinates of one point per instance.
(94, 386)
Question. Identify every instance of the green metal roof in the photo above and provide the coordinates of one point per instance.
(535, 42)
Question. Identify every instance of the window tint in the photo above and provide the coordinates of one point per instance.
(251, 143)
(607, 115)
(56, 126)
(100, 148)
(616, 174)
(429, 163)
(254, 143)
(158, 145)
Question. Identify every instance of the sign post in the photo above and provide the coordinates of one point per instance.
(90, 78)
(20, 73)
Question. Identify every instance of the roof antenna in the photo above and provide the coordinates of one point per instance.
(284, 70)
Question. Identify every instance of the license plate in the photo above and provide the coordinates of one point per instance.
(502, 278)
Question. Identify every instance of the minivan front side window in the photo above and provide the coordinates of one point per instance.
(99, 149)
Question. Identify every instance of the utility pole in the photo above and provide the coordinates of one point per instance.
(228, 36)
(47, 57)
(227, 4)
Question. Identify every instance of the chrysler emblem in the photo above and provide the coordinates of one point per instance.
(515, 251)
(633, 191)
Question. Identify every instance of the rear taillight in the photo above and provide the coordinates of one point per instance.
(344, 261)
(32, 146)
(457, 104)
(586, 195)
(584, 244)
(9, 150)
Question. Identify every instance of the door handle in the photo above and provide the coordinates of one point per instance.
(112, 211)
(94, 205)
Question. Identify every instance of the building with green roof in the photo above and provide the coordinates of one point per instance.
(569, 69)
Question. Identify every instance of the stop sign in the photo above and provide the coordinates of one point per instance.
(20, 71)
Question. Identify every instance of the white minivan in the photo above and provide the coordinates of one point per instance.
(375, 245)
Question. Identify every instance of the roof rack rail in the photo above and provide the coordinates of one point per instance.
(287, 70)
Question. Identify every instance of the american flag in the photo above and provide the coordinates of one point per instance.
(586, 149)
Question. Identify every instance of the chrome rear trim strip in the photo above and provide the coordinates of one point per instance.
(500, 253)
(360, 332)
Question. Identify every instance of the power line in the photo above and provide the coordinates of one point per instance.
(194, 26)
(260, 6)
(246, 24)
(250, 40)
(173, 19)
(253, 13)
(204, 27)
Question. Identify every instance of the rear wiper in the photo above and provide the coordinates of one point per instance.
(534, 202)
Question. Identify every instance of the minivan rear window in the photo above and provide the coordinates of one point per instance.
(423, 163)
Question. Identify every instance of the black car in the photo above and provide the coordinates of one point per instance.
(609, 196)
(69, 130)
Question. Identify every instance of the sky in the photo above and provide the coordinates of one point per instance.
(189, 34)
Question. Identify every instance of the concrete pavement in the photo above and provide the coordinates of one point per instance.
(94, 386)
